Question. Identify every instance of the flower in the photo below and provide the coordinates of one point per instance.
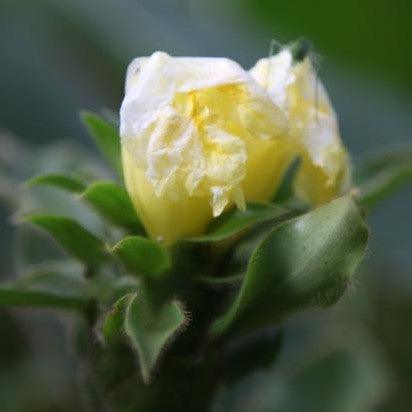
(312, 125)
(201, 134)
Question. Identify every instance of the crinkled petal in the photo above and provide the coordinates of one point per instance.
(312, 124)
(275, 74)
(184, 121)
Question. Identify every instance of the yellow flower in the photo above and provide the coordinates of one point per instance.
(312, 125)
(198, 135)
(201, 134)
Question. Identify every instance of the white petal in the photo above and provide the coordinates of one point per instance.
(183, 121)
(133, 70)
(275, 74)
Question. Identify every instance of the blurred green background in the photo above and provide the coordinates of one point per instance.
(59, 56)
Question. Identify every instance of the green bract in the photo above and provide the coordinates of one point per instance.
(169, 324)
(151, 329)
(307, 261)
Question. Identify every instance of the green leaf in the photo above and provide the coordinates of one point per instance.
(307, 261)
(285, 191)
(9, 196)
(73, 237)
(381, 158)
(142, 256)
(60, 181)
(106, 138)
(113, 203)
(151, 330)
(63, 284)
(113, 323)
(14, 295)
(382, 173)
(235, 220)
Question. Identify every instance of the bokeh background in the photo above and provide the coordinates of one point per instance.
(59, 56)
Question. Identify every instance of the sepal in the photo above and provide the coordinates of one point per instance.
(142, 256)
(235, 221)
(308, 261)
(152, 329)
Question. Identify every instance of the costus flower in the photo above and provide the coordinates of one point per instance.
(201, 135)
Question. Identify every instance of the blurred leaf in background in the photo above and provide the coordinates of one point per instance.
(62, 56)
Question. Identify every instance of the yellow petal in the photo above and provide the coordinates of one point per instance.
(312, 125)
(165, 220)
(198, 135)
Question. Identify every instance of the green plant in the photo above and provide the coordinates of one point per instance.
(162, 328)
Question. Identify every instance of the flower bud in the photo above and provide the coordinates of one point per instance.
(200, 135)
(312, 124)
